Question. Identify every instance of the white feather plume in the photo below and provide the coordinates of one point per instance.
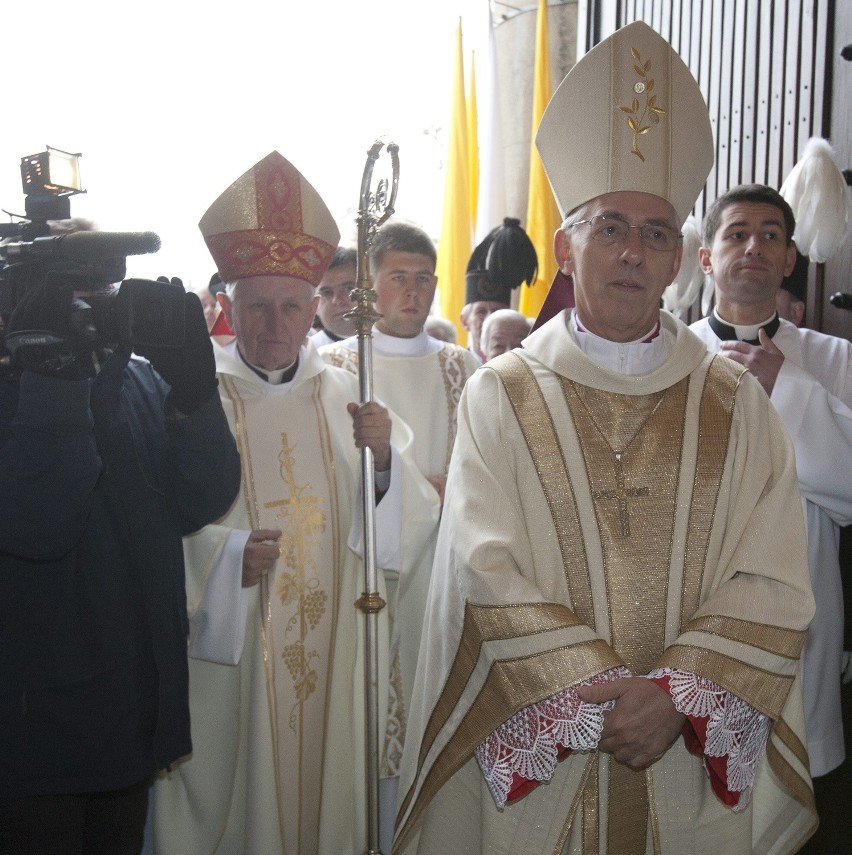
(681, 294)
(816, 191)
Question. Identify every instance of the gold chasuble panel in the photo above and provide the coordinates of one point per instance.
(631, 446)
(632, 454)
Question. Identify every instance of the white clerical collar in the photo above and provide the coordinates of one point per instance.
(745, 332)
(633, 357)
(272, 377)
(392, 345)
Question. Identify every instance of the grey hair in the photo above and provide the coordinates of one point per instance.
(579, 214)
(496, 317)
(574, 217)
(231, 287)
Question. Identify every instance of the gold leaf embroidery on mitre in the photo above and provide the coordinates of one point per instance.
(641, 115)
(302, 519)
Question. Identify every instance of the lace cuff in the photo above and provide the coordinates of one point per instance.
(730, 733)
(523, 751)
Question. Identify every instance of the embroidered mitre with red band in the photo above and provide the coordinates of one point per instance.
(270, 222)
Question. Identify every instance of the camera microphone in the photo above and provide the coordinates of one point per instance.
(86, 247)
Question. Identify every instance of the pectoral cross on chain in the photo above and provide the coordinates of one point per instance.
(622, 494)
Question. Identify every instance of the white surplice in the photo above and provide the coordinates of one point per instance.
(813, 396)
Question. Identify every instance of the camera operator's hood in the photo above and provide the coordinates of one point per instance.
(270, 222)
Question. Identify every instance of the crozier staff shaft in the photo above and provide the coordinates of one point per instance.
(373, 209)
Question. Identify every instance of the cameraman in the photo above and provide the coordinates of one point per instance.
(106, 461)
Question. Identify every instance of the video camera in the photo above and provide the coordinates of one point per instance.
(136, 313)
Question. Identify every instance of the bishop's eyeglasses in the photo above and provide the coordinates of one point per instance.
(612, 230)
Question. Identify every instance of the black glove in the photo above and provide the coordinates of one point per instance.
(191, 369)
(50, 332)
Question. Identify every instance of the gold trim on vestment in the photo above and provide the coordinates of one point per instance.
(652, 809)
(536, 424)
(511, 685)
(342, 357)
(627, 809)
(782, 731)
(714, 430)
(397, 721)
(501, 695)
(454, 372)
(762, 689)
(773, 639)
(338, 546)
(631, 446)
(299, 601)
(789, 778)
(228, 386)
(589, 791)
(483, 624)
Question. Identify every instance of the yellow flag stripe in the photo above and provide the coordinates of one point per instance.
(454, 245)
(542, 214)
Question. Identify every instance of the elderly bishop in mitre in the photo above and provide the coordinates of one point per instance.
(276, 642)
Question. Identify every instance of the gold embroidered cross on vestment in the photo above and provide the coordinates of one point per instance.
(622, 494)
(625, 418)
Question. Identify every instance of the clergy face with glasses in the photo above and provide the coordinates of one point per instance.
(623, 249)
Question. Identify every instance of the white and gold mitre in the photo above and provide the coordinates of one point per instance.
(628, 116)
(270, 222)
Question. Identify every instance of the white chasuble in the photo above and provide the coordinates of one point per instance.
(299, 601)
(278, 764)
(649, 521)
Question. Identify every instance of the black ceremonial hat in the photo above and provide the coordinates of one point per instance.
(505, 258)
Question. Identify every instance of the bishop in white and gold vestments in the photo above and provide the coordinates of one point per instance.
(277, 679)
(278, 727)
(641, 521)
(622, 539)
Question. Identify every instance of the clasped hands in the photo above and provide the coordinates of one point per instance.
(642, 726)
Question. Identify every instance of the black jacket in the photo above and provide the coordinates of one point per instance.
(98, 487)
